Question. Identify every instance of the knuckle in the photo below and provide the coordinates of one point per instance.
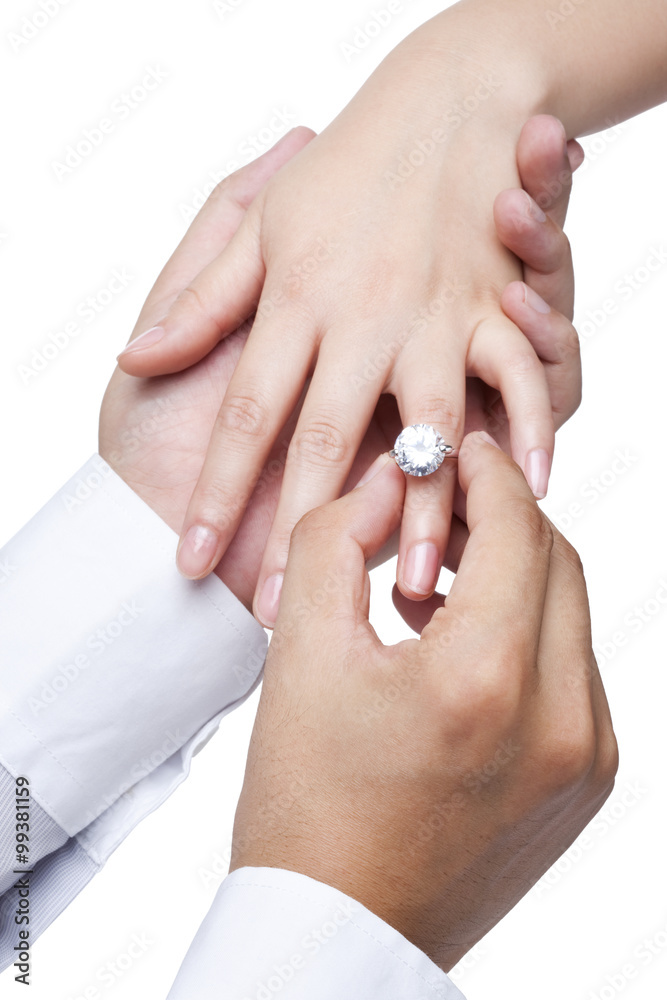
(563, 252)
(568, 345)
(321, 443)
(530, 525)
(242, 414)
(488, 702)
(440, 412)
(567, 555)
(522, 365)
(313, 524)
(572, 752)
(218, 506)
(191, 300)
(608, 759)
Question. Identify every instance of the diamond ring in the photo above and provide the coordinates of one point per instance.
(420, 450)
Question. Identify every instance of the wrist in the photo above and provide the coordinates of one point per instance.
(474, 69)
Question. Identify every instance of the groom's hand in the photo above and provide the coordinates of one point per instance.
(434, 781)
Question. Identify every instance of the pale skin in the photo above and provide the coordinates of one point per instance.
(433, 781)
(163, 464)
(404, 273)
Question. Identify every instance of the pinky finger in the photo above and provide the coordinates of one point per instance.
(505, 360)
(554, 340)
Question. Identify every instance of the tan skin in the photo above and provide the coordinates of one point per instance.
(434, 781)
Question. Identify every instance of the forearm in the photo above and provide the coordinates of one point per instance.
(604, 60)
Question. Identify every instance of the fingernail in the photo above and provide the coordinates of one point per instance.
(489, 440)
(269, 600)
(535, 301)
(534, 210)
(146, 339)
(376, 467)
(537, 472)
(421, 568)
(197, 551)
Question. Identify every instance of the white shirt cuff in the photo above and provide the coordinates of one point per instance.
(115, 670)
(275, 933)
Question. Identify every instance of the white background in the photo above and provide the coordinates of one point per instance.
(123, 208)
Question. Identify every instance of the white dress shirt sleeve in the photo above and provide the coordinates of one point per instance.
(273, 933)
(114, 671)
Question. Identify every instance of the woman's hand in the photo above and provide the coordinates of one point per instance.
(368, 289)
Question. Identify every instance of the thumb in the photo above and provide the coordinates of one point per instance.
(326, 573)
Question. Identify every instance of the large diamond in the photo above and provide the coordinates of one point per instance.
(419, 450)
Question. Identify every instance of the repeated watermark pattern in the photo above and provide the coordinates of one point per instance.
(453, 119)
(614, 812)
(32, 25)
(370, 28)
(254, 144)
(652, 946)
(597, 487)
(310, 946)
(85, 312)
(114, 970)
(633, 621)
(95, 136)
(624, 289)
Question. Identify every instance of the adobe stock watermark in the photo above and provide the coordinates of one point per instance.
(471, 784)
(141, 768)
(94, 136)
(310, 946)
(133, 438)
(245, 416)
(85, 486)
(365, 32)
(375, 368)
(452, 120)
(651, 947)
(594, 148)
(93, 647)
(33, 24)
(115, 969)
(85, 312)
(7, 568)
(224, 7)
(411, 673)
(266, 819)
(634, 621)
(596, 487)
(614, 812)
(299, 274)
(565, 10)
(624, 289)
(468, 963)
(280, 122)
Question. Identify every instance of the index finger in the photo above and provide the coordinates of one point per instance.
(502, 579)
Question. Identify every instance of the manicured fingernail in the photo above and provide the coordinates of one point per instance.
(269, 599)
(144, 340)
(537, 472)
(197, 551)
(376, 467)
(535, 301)
(421, 568)
(489, 440)
(534, 210)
